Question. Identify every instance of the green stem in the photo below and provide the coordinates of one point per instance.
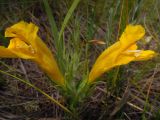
(115, 77)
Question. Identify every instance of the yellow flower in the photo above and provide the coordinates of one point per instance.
(122, 52)
(26, 44)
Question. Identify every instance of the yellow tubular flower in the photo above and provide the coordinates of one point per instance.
(26, 44)
(122, 52)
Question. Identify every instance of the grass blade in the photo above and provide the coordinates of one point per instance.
(52, 22)
(39, 90)
(68, 16)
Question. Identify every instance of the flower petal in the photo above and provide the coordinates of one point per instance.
(126, 56)
(114, 48)
(105, 61)
(24, 31)
(131, 34)
(17, 30)
(6, 53)
(145, 55)
(21, 49)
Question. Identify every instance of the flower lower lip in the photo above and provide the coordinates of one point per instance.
(133, 51)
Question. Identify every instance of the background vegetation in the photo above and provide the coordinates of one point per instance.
(130, 92)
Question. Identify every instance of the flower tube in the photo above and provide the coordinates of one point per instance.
(26, 44)
(122, 52)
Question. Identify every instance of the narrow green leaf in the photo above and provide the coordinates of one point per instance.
(39, 90)
(68, 16)
(52, 22)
